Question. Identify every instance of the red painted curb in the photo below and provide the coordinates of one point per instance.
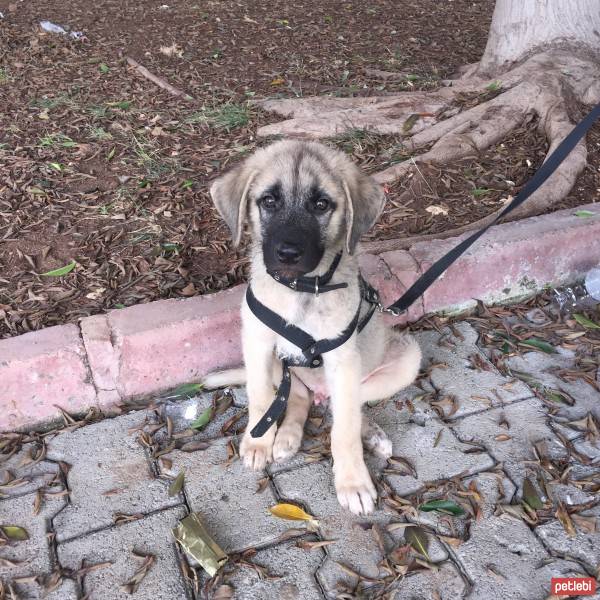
(148, 348)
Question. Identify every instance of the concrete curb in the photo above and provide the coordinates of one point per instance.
(149, 348)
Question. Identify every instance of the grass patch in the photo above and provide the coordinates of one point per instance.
(100, 134)
(4, 77)
(227, 116)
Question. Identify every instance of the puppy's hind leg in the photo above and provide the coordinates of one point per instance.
(400, 368)
(289, 434)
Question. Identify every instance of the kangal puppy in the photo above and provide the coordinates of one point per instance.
(305, 203)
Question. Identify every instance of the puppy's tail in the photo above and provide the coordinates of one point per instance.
(220, 379)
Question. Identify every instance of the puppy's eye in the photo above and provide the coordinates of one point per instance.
(321, 205)
(268, 202)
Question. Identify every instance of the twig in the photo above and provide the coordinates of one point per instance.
(159, 81)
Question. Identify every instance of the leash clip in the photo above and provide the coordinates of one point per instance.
(391, 311)
(317, 286)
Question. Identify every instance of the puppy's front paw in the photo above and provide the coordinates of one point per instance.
(257, 452)
(355, 489)
(287, 442)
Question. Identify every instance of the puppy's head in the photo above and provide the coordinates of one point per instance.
(300, 198)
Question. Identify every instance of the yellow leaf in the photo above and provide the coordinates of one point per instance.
(278, 81)
(291, 512)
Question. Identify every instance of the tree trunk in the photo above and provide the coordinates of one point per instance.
(523, 27)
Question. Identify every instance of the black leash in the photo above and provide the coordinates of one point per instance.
(550, 165)
(312, 349)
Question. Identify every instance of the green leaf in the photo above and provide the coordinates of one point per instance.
(445, 506)
(417, 538)
(14, 532)
(494, 86)
(183, 392)
(480, 192)
(188, 183)
(585, 322)
(555, 396)
(111, 154)
(104, 68)
(584, 214)
(56, 166)
(203, 420)
(177, 484)
(530, 495)
(538, 345)
(60, 272)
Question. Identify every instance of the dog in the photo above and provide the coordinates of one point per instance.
(307, 205)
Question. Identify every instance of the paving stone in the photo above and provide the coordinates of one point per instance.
(106, 457)
(539, 366)
(295, 568)
(460, 377)
(312, 487)
(584, 546)
(527, 423)
(445, 583)
(494, 489)
(504, 559)
(33, 476)
(34, 554)
(434, 455)
(150, 535)
(226, 496)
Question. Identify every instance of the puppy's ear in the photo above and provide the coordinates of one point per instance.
(229, 193)
(365, 199)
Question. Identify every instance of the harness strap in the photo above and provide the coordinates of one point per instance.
(542, 174)
(311, 349)
(317, 284)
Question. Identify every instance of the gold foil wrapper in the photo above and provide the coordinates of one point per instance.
(196, 542)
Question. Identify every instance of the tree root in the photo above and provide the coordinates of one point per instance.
(550, 84)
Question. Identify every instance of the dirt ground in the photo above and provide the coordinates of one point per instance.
(105, 172)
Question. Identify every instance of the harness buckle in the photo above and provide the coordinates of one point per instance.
(317, 286)
(293, 284)
(391, 311)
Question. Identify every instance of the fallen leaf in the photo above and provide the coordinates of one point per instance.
(410, 122)
(306, 545)
(290, 512)
(60, 272)
(417, 538)
(445, 506)
(132, 584)
(585, 322)
(435, 210)
(177, 484)
(203, 420)
(563, 516)
(584, 213)
(277, 81)
(538, 345)
(14, 532)
(530, 495)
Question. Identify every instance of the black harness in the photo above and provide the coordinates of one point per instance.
(312, 349)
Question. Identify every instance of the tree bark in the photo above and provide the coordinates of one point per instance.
(521, 27)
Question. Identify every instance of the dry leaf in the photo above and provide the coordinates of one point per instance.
(132, 584)
(435, 210)
(290, 512)
(417, 537)
(306, 545)
(177, 484)
(563, 516)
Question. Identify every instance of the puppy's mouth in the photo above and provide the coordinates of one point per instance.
(288, 273)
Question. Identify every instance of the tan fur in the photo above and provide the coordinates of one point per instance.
(372, 365)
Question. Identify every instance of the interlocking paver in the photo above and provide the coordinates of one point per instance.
(475, 388)
(150, 535)
(293, 567)
(584, 546)
(543, 367)
(509, 433)
(226, 495)
(504, 559)
(34, 556)
(109, 474)
(431, 448)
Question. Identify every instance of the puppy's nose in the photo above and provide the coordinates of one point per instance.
(289, 253)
